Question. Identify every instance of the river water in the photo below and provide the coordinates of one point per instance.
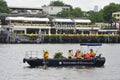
(13, 68)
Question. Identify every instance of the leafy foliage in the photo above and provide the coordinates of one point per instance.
(59, 3)
(56, 3)
(65, 14)
(104, 15)
(3, 7)
(58, 55)
(75, 13)
(108, 10)
(96, 16)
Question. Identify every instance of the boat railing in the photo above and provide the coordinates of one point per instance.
(33, 54)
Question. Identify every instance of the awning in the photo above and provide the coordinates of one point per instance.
(82, 21)
(62, 20)
(27, 19)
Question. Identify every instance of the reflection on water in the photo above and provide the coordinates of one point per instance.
(13, 68)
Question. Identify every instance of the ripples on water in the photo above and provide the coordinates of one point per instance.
(12, 67)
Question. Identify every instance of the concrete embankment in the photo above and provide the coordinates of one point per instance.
(82, 39)
(74, 39)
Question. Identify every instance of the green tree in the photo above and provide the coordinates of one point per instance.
(96, 16)
(3, 7)
(108, 10)
(77, 12)
(56, 3)
(59, 3)
(65, 14)
(100, 16)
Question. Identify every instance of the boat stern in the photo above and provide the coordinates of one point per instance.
(100, 62)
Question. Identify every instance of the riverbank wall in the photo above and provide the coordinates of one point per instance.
(72, 39)
(82, 39)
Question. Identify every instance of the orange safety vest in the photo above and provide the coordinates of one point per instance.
(86, 56)
(76, 54)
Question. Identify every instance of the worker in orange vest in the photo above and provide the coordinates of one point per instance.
(87, 56)
(92, 54)
(76, 53)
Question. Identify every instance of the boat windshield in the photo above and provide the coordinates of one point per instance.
(91, 44)
(85, 47)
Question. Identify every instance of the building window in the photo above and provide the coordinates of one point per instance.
(67, 9)
(63, 9)
(51, 8)
(115, 15)
(118, 15)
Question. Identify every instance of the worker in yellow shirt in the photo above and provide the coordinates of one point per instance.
(80, 55)
(70, 54)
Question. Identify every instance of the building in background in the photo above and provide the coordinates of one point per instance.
(95, 8)
(25, 10)
(116, 15)
(28, 25)
(53, 10)
(33, 25)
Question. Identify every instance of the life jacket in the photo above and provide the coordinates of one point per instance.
(86, 56)
(76, 54)
(46, 55)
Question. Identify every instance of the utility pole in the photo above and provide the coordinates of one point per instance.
(119, 27)
(119, 32)
(10, 36)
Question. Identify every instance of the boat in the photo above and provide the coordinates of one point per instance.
(96, 61)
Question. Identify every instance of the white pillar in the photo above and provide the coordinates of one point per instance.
(25, 31)
(49, 31)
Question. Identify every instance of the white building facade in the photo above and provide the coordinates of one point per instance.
(53, 10)
(25, 10)
(116, 15)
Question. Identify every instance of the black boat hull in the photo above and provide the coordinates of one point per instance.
(95, 62)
